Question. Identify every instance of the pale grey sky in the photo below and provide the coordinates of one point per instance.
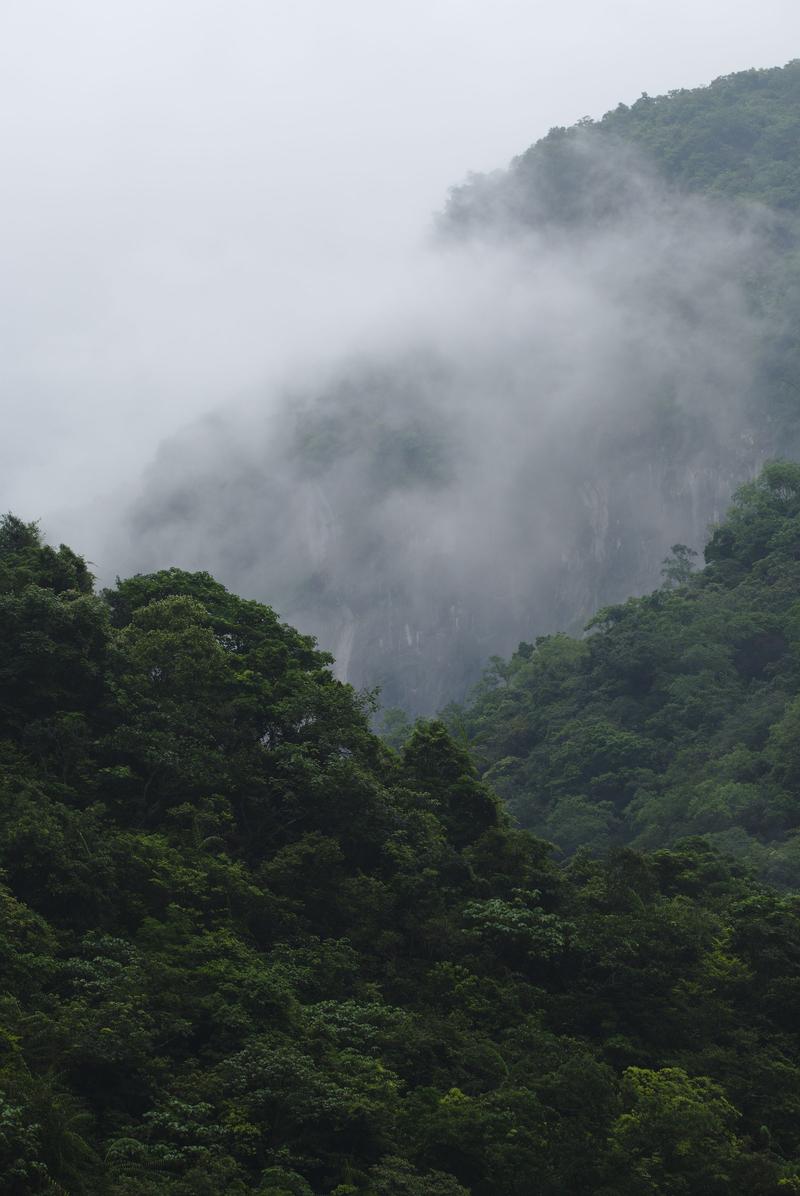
(197, 195)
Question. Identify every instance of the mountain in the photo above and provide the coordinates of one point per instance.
(602, 346)
(248, 948)
(734, 139)
(678, 714)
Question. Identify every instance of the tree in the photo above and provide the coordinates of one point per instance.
(679, 566)
(676, 1136)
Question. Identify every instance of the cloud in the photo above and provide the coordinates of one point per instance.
(546, 406)
(206, 204)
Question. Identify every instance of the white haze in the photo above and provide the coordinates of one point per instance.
(456, 485)
(202, 200)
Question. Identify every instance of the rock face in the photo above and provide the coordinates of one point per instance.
(413, 587)
(425, 649)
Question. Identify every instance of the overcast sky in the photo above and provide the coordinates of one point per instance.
(198, 195)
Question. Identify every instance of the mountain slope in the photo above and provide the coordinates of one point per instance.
(601, 348)
(678, 714)
(735, 139)
(245, 948)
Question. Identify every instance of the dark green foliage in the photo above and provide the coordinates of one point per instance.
(679, 714)
(434, 764)
(736, 137)
(247, 948)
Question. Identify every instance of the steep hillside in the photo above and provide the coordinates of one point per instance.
(736, 139)
(246, 948)
(601, 348)
(678, 715)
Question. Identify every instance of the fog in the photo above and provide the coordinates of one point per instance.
(199, 196)
(219, 221)
(543, 411)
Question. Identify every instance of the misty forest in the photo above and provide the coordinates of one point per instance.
(420, 816)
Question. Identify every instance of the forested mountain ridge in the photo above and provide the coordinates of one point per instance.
(600, 350)
(736, 138)
(247, 948)
(678, 713)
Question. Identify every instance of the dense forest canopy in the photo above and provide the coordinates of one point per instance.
(549, 940)
(678, 714)
(248, 947)
(736, 138)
